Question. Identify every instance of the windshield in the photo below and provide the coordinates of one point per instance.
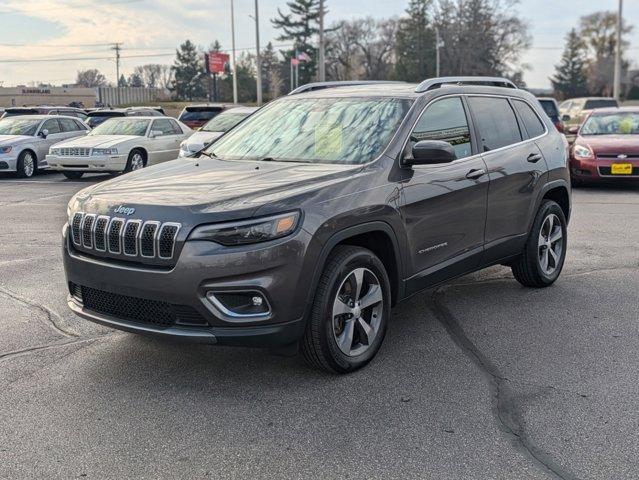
(16, 126)
(319, 130)
(122, 126)
(626, 123)
(224, 122)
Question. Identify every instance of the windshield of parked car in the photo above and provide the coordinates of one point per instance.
(122, 126)
(315, 130)
(224, 122)
(18, 126)
(626, 123)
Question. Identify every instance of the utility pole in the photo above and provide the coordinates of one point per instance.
(258, 57)
(233, 53)
(117, 47)
(322, 70)
(616, 89)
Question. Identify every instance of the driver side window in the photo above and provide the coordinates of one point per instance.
(445, 120)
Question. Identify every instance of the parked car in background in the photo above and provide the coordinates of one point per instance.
(120, 144)
(96, 117)
(214, 129)
(607, 146)
(45, 110)
(197, 115)
(25, 140)
(574, 111)
(551, 108)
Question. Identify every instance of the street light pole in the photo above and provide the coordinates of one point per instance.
(437, 42)
(322, 70)
(233, 53)
(258, 57)
(616, 89)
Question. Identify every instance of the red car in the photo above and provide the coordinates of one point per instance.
(607, 146)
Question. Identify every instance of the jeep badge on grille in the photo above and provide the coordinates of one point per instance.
(124, 210)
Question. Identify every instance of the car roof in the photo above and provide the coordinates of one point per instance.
(42, 117)
(211, 105)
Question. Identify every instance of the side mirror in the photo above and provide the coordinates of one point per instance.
(431, 151)
(155, 133)
(565, 118)
(44, 133)
(574, 130)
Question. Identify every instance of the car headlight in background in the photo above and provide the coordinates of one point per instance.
(248, 231)
(54, 151)
(5, 149)
(582, 151)
(104, 151)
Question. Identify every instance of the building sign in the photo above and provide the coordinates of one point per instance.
(216, 62)
(36, 91)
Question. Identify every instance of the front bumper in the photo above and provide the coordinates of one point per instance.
(8, 162)
(273, 269)
(599, 169)
(94, 163)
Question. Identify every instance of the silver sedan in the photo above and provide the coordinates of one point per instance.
(25, 140)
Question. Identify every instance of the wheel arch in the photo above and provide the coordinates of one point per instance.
(144, 153)
(558, 191)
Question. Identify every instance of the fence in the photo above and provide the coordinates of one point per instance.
(114, 96)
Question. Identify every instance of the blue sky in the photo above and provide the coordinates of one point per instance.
(79, 29)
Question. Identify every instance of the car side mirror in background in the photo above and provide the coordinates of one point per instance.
(565, 118)
(573, 130)
(430, 152)
(44, 133)
(155, 133)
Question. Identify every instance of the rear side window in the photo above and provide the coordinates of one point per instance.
(52, 126)
(165, 126)
(68, 125)
(445, 120)
(80, 125)
(495, 121)
(531, 121)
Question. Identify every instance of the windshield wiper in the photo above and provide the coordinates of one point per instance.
(210, 155)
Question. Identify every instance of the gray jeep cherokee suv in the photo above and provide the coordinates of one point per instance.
(303, 225)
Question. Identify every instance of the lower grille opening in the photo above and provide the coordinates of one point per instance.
(151, 312)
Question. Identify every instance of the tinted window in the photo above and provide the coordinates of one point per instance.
(191, 115)
(496, 122)
(533, 125)
(176, 128)
(600, 103)
(549, 107)
(68, 125)
(164, 126)
(445, 120)
(52, 125)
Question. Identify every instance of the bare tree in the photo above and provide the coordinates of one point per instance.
(90, 78)
(150, 74)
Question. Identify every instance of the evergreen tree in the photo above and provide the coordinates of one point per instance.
(415, 43)
(188, 73)
(570, 78)
(135, 80)
(301, 25)
(122, 81)
(271, 73)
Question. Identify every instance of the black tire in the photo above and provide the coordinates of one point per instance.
(528, 269)
(26, 158)
(73, 175)
(319, 345)
(130, 161)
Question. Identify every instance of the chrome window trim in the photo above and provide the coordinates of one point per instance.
(159, 236)
(122, 238)
(155, 236)
(106, 229)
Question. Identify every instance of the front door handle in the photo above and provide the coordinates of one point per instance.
(534, 157)
(476, 173)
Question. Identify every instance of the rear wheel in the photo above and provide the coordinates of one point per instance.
(27, 165)
(350, 312)
(136, 161)
(73, 175)
(543, 257)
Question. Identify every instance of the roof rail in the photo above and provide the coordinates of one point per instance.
(308, 87)
(438, 82)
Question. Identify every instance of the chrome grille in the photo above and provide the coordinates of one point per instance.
(128, 238)
(75, 152)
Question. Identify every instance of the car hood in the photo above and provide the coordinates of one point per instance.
(14, 139)
(611, 144)
(98, 141)
(202, 138)
(197, 186)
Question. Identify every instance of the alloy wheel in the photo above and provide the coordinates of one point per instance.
(137, 162)
(357, 312)
(28, 165)
(551, 244)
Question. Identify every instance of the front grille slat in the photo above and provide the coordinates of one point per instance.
(118, 237)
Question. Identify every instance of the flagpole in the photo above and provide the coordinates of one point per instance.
(233, 53)
(322, 72)
(258, 58)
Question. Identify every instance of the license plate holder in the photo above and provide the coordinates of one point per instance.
(621, 169)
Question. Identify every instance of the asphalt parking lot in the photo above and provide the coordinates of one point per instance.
(478, 379)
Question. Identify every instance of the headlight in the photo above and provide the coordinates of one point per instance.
(248, 231)
(104, 151)
(581, 151)
(5, 149)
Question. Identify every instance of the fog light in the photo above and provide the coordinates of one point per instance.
(257, 301)
(239, 304)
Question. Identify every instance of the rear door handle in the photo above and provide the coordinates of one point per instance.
(476, 173)
(534, 157)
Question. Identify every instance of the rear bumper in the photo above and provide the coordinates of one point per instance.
(599, 170)
(106, 163)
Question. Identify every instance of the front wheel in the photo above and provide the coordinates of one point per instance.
(136, 161)
(350, 311)
(27, 165)
(543, 257)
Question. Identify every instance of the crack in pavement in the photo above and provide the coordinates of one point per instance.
(50, 314)
(504, 399)
(37, 348)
